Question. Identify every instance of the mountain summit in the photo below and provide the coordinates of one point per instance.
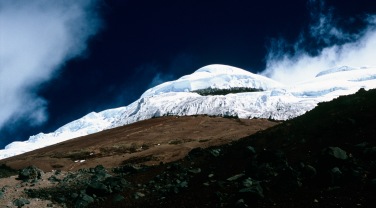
(214, 76)
(216, 90)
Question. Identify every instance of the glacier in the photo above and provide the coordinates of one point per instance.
(275, 101)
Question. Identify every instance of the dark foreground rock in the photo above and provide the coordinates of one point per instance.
(82, 188)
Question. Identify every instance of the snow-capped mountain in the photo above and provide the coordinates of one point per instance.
(275, 100)
(214, 76)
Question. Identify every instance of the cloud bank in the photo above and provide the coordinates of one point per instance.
(327, 43)
(36, 38)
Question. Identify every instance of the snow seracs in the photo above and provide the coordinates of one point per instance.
(177, 98)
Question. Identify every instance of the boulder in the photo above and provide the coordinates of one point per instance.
(370, 153)
(336, 175)
(335, 153)
(20, 202)
(252, 187)
(30, 173)
(251, 150)
(84, 201)
(118, 198)
(98, 188)
(309, 171)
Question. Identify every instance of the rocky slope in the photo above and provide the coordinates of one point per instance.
(325, 158)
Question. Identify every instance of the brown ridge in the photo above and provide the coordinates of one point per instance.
(152, 141)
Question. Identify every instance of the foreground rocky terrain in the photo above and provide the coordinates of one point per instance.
(325, 158)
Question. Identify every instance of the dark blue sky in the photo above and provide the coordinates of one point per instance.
(145, 42)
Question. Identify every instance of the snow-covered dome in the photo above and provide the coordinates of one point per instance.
(214, 76)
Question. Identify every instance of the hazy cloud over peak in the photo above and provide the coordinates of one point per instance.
(36, 38)
(326, 43)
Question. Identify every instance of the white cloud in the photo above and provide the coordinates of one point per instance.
(36, 38)
(332, 47)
